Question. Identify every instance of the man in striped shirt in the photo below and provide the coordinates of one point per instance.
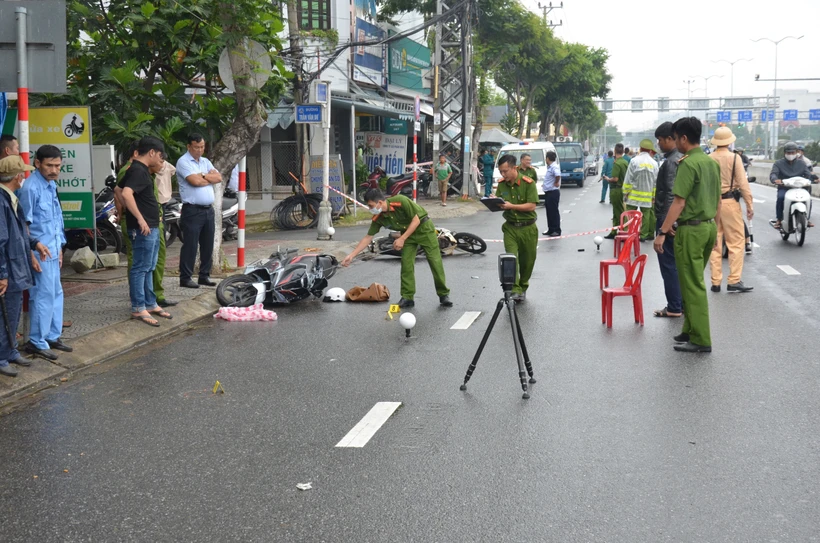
(639, 187)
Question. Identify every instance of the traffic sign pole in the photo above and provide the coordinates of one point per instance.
(242, 197)
(415, 148)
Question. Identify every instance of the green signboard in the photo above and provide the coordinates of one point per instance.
(396, 127)
(408, 60)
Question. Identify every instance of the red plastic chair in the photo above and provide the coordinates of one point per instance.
(632, 287)
(634, 220)
(623, 261)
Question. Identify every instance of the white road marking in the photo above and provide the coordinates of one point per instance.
(572, 204)
(758, 201)
(567, 211)
(369, 425)
(788, 270)
(577, 198)
(466, 320)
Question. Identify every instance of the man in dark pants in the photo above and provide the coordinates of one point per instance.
(663, 200)
(616, 192)
(552, 195)
(196, 175)
(15, 262)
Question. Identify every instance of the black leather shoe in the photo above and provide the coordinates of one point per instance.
(188, 284)
(60, 346)
(738, 287)
(8, 371)
(43, 353)
(404, 304)
(610, 236)
(20, 361)
(206, 281)
(445, 301)
(715, 288)
(690, 347)
(166, 303)
(681, 338)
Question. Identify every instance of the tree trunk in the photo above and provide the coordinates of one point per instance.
(299, 96)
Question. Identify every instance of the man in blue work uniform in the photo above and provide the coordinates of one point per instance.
(609, 161)
(45, 217)
(15, 264)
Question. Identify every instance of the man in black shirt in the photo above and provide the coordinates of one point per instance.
(142, 218)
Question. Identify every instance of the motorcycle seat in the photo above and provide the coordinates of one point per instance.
(228, 203)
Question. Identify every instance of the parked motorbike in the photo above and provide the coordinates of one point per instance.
(284, 278)
(230, 215)
(448, 242)
(108, 235)
(171, 212)
(796, 210)
(401, 184)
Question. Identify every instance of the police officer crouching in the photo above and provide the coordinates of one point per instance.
(404, 215)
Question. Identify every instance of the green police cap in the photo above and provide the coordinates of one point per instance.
(648, 144)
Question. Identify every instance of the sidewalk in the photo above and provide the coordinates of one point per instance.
(98, 305)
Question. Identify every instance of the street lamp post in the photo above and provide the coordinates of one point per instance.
(732, 76)
(688, 83)
(706, 85)
(774, 121)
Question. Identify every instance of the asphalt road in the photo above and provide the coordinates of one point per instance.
(623, 438)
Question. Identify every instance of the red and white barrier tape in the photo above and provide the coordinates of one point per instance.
(346, 196)
(609, 229)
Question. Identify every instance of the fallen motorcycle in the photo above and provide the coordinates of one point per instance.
(284, 278)
(448, 242)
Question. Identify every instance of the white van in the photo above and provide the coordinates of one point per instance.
(537, 150)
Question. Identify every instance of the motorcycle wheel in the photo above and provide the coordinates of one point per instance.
(470, 243)
(170, 234)
(108, 238)
(237, 291)
(800, 225)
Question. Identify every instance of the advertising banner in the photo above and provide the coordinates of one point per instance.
(335, 179)
(368, 62)
(69, 129)
(386, 151)
(408, 61)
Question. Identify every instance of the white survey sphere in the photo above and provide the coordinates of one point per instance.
(407, 320)
(331, 231)
(598, 240)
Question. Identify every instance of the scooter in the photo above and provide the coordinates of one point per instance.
(230, 215)
(796, 210)
(401, 184)
(284, 278)
(171, 212)
(108, 235)
(448, 242)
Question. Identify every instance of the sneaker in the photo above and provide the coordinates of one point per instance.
(519, 298)
(715, 288)
(748, 248)
(738, 287)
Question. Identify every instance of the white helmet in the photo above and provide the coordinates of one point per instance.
(336, 294)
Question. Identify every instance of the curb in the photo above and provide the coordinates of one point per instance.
(110, 342)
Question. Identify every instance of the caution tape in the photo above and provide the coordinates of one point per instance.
(346, 196)
(608, 229)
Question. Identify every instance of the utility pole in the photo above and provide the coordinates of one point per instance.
(547, 8)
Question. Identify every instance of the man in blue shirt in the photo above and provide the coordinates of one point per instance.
(552, 195)
(196, 176)
(45, 217)
(609, 161)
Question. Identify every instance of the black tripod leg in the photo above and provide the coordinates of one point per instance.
(527, 362)
(521, 373)
(481, 345)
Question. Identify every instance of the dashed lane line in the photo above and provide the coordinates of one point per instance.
(466, 320)
(369, 425)
(788, 270)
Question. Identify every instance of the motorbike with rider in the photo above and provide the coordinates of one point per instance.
(791, 165)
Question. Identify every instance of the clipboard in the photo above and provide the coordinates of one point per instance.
(493, 204)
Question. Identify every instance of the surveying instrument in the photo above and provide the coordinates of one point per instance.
(507, 264)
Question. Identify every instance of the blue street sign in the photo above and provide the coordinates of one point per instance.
(724, 116)
(767, 117)
(789, 114)
(744, 116)
(321, 92)
(309, 113)
(814, 114)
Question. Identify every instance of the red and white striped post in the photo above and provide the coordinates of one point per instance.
(416, 147)
(242, 196)
(22, 119)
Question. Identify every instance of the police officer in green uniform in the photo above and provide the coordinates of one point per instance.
(404, 215)
(520, 196)
(526, 169)
(696, 209)
(616, 184)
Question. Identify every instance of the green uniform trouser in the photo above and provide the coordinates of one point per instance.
(522, 241)
(616, 198)
(647, 221)
(159, 271)
(424, 237)
(693, 246)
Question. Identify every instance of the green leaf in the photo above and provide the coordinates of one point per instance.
(148, 9)
(183, 23)
(81, 9)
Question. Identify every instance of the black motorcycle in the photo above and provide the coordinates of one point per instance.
(109, 239)
(284, 278)
(448, 242)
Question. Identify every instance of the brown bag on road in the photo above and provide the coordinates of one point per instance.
(374, 293)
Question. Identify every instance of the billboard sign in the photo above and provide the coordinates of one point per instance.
(368, 61)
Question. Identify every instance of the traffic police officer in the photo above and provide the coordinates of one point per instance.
(404, 215)
(520, 196)
(45, 217)
(695, 208)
